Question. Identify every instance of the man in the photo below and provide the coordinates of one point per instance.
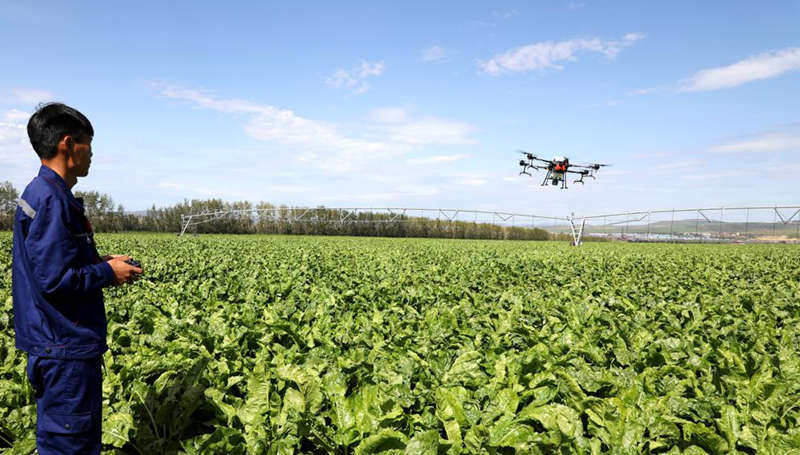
(57, 281)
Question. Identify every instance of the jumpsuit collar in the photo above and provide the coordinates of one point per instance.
(53, 178)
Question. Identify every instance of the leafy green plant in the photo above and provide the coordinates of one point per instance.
(306, 345)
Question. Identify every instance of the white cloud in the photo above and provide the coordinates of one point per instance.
(398, 125)
(436, 159)
(430, 130)
(433, 54)
(762, 66)
(549, 54)
(207, 101)
(389, 115)
(323, 145)
(768, 142)
(14, 145)
(30, 96)
(355, 79)
(17, 117)
(473, 181)
(18, 161)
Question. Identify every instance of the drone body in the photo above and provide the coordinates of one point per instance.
(557, 169)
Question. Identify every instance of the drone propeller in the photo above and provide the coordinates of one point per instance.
(592, 166)
(530, 156)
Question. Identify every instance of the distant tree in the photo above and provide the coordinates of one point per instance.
(96, 203)
(8, 197)
(8, 203)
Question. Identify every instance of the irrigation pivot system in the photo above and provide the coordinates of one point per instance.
(370, 215)
(716, 224)
(719, 224)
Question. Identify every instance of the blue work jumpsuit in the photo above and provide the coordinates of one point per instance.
(59, 315)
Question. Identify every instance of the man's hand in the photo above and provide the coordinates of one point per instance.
(123, 272)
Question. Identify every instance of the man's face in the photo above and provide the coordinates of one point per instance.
(80, 154)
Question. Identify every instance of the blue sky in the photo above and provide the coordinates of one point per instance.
(415, 104)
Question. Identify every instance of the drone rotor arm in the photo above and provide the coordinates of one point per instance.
(542, 160)
(531, 165)
(592, 166)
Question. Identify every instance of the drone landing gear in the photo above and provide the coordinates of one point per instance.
(546, 178)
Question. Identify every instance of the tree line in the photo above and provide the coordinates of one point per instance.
(108, 217)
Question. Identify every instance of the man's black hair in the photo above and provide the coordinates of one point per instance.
(50, 123)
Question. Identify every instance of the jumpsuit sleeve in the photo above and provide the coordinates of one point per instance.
(55, 255)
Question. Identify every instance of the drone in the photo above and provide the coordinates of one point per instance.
(557, 169)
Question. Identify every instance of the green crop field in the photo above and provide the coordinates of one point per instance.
(317, 345)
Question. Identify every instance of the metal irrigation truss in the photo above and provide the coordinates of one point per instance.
(373, 215)
(716, 224)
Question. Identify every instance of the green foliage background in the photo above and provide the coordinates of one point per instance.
(301, 345)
